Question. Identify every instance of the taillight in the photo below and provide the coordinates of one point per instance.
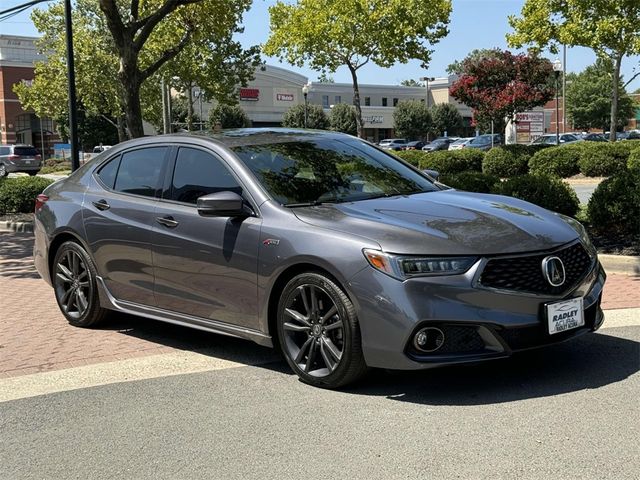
(41, 200)
(14, 157)
(38, 157)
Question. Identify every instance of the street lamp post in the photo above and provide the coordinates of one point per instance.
(557, 68)
(71, 77)
(305, 92)
(426, 81)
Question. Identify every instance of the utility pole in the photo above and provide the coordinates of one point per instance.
(71, 76)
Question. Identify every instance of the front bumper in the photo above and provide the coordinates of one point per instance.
(482, 323)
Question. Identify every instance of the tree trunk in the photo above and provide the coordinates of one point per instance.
(122, 131)
(130, 84)
(356, 101)
(190, 106)
(614, 98)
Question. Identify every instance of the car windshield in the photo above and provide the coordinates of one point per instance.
(25, 151)
(319, 170)
(461, 141)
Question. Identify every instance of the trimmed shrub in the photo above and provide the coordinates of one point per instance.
(471, 181)
(544, 190)
(18, 195)
(446, 161)
(603, 159)
(634, 160)
(615, 204)
(61, 167)
(560, 161)
(509, 160)
(411, 156)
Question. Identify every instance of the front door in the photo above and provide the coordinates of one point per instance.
(204, 266)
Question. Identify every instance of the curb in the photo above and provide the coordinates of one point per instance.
(623, 264)
(18, 227)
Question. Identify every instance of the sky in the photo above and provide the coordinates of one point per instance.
(474, 24)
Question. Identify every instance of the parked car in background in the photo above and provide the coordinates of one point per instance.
(416, 145)
(593, 137)
(550, 139)
(485, 142)
(393, 143)
(101, 148)
(634, 135)
(440, 143)
(19, 158)
(460, 143)
(316, 243)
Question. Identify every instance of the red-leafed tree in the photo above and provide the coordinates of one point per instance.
(499, 85)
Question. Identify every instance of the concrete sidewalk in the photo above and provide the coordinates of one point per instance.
(35, 337)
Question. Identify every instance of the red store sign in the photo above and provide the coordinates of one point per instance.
(249, 94)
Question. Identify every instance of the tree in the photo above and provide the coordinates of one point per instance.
(329, 34)
(497, 87)
(445, 117)
(343, 119)
(455, 68)
(588, 99)
(324, 78)
(410, 82)
(182, 114)
(610, 28)
(411, 119)
(228, 116)
(316, 118)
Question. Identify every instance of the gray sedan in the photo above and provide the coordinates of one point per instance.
(319, 244)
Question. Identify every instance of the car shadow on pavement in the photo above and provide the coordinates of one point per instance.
(591, 361)
(16, 255)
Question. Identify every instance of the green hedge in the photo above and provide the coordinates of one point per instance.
(446, 161)
(615, 204)
(604, 159)
(544, 190)
(560, 161)
(471, 181)
(509, 160)
(17, 195)
(411, 156)
(634, 160)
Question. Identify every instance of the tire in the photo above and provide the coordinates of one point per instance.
(3, 170)
(32, 174)
(75, 287)
(321, 344)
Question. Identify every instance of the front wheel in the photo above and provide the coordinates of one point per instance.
(319, 332)
(75, 286)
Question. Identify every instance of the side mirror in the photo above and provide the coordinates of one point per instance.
(222, 204)
(432, 173)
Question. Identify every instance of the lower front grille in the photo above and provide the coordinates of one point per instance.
(524, 273)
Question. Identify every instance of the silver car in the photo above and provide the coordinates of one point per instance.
(319, 244)
(19, 158)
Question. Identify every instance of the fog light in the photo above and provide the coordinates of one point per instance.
(428, 339)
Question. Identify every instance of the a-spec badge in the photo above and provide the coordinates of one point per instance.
(270, 241)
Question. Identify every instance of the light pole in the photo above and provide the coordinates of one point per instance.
(426, 81)
(305, 92)
(557, 68)
(71, 76)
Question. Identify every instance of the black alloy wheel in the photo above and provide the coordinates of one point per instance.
(319, 333)
(74, 281)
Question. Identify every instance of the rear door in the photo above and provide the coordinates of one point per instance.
(119, 216)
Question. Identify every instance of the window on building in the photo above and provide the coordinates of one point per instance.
(395, 102)
(384, 101)
(338, 99)
(325, 101)
(367, 101)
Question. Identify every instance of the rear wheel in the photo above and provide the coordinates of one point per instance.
(75, 286)
(319, 332)
(3, 170)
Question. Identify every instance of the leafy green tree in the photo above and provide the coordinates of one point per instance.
(588, 99)
(228, 116)
(329, 34)
(446, 118)
(316, 118)
(410, 82)
(412, 119)
(610, 28)
(124, 47)
(182, 115)
(324, 78)
(343, 119)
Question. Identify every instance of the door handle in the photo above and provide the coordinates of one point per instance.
(167, 221)
(101, 205)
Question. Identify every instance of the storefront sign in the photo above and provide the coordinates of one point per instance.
(284, 97)
(251, 94)
(373, 119)
(529, 126)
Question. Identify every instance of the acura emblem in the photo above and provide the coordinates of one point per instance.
(553, 271)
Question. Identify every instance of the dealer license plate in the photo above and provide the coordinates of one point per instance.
(565, 315)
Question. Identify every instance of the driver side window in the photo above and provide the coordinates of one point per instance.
(197, 173)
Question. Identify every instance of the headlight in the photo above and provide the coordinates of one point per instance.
(403, 267)
(582, 233)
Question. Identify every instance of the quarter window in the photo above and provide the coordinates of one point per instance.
(140, 171)
(108, 172)
(199, 173)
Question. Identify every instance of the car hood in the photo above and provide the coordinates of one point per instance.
(446, 222)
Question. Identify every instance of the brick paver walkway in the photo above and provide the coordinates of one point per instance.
(35, 337)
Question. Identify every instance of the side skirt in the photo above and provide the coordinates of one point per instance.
(108, 301)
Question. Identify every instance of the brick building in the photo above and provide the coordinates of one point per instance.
(17, 59)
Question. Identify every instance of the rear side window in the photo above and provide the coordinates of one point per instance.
(108, 172)
(140, 171)
(4, 150)
(30, 151)
(199, 173)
